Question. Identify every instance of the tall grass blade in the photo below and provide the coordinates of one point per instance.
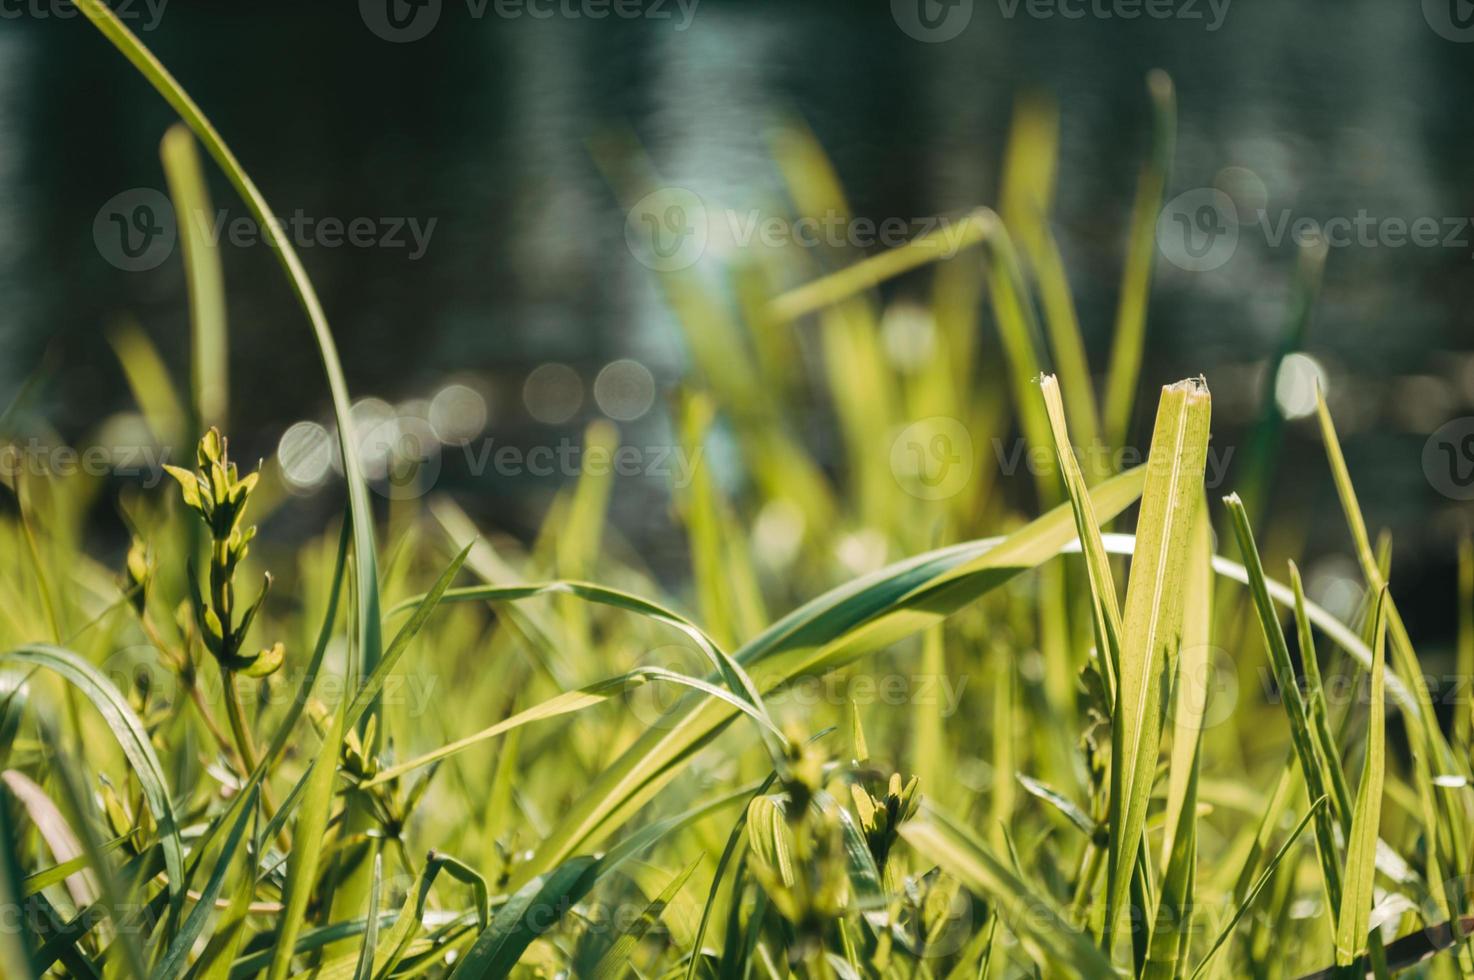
(310, 844)
(1152, 623)
(1131, 309)
(209, 351)
(1361, 846)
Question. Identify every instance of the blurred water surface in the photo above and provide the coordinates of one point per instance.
(479, 133)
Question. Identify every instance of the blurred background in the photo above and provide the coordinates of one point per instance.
(493, 293)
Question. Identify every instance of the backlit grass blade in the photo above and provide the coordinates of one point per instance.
(932, 246)
(132, 737)
(1031, 916)
(1431, 753)
(209, 353)
(1361, 846)
(1105, 609)
(1129, 336)
(1176, 905)
(1151, 627)
(827, 632)
(1312, 768)
(310, 844)
(1316, 707)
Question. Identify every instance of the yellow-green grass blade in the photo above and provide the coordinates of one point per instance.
(1361, 846)
(1030, 160)
(852, 280)
(1151, 627)
(1131, 309)
(209, 353)
(305, 857)
(1315, 701)
(1018, 329)
(1062, 325)
(1172, 926)
(1430, 750)
(1105, 608)
(1312, 767)
(825, 633)
(364, 969)
(1030, 916)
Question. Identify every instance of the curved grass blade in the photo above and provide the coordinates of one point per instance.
(15, 955)
(132, 738)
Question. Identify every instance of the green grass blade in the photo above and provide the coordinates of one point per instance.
(310, 843)
(871, 272)
(1315, 701)
(423, 607)
(1312, 767)
(1130, 332)
(1152, 623)
(365, 968)
(1361, 846)
(1464, 717)
(15, 954)
(825, 633)
(209, 361)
